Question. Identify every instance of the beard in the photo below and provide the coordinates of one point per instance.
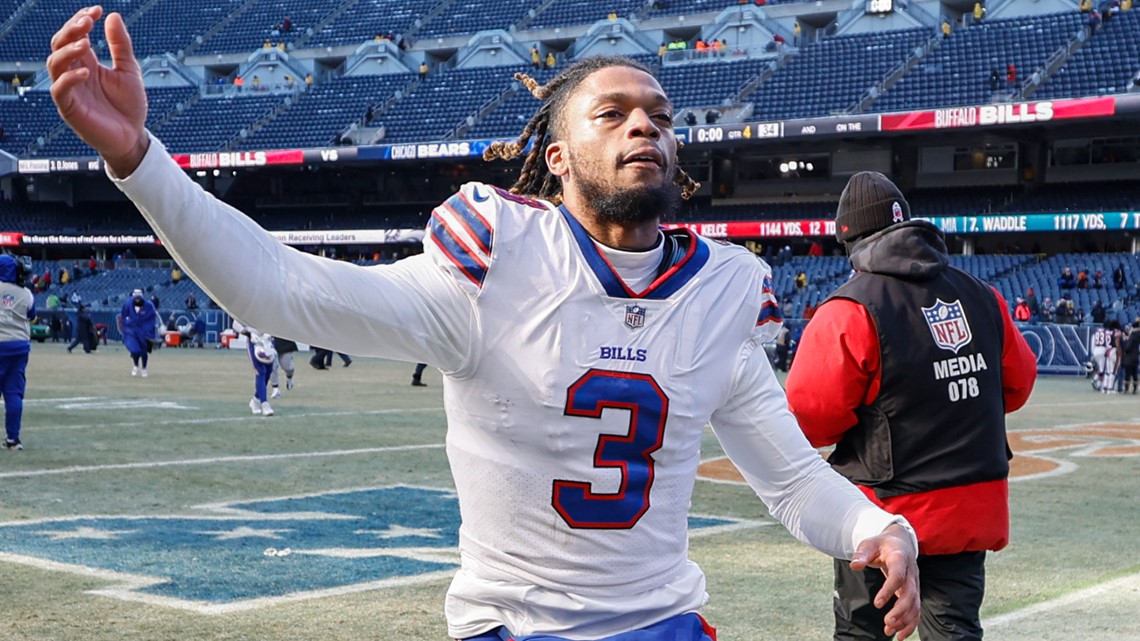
(640, 204)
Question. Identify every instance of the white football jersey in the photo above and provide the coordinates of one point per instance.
(575, 406)
(579, 416)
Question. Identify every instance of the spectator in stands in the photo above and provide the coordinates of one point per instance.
(946, 28)
(995, 80)
(423, 70)
(702, 47)
(536, 57)
(1034, 305)
(801, 281)
(711, 116)
(267, 44)
(1011, 74)
(550, 60)
(1097, 281)
(1118, 280)
(286, 24)
(256, 82)
(979, 11)
(1094, 21)
(1082, 279)
(797, 32)
(918, 446)
(661, 51)
(239, 82)
(1021, 311)
(308, 80)
(1048, 311)
(690, 118)
(815, 249)
(612, 17)
(1098, 313)
(154, 301)
(16, 84)
(1065, 309)
(1085, 6)
(369, 115)
(1067, 280)
(175, 275)
(428, 306)
(779, 42)
(191, 301)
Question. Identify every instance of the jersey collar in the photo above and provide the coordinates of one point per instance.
(678, 269)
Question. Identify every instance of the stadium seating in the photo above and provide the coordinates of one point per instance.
(831, 75)
(957, 71)
(708, 84)
(26, 119)
(474, 16)
(370, 18)
(322, 113)
(30, 38)
(568, 12)
(444, 101)
(1103, 66)
(210, 123)
(170, 26)
(255, 24)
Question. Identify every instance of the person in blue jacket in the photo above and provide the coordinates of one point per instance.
(17, 308)
(139, 318)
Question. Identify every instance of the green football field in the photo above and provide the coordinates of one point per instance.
(160, 508)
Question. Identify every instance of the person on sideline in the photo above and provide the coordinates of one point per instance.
(908, 369)
(568, 530)
(17, 309)
(285, 349)
(262, 356)
(139, 318)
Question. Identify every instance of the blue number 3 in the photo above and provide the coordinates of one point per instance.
(631, 453)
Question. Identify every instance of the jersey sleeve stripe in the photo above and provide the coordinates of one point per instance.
(457, 251)
(769, 313)
(472, 221)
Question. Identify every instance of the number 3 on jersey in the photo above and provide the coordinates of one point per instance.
(631, 453)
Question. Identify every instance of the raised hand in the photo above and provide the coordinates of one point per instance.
(105, 106)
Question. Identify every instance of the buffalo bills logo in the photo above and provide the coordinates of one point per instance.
(7, 301)
(634, 316)
(948, 325)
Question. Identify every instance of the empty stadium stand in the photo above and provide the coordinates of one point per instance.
(958, 71)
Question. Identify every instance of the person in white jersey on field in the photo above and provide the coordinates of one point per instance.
(583, 351)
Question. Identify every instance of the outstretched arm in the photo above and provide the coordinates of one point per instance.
(106, 106)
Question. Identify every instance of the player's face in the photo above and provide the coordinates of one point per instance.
(616, 146)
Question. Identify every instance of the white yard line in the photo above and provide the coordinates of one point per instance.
(1120, 586)
(83, 469)
(238, 419)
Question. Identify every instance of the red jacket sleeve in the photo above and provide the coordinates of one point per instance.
(836, 370)
(1018, 362)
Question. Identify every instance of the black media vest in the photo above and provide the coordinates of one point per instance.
(939, 418)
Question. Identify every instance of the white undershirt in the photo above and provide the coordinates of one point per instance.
(637, 269)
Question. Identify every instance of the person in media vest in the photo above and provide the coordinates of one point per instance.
(17, 309)
(908, 369)
(139, 318)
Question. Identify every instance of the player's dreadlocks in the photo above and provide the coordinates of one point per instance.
(535, 178)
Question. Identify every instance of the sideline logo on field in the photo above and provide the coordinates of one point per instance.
(1036, 453)
(250, 554)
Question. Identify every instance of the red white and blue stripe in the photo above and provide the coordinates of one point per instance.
(464, 236)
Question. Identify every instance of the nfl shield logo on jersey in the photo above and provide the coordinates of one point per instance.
(948, 325)
(8, 301)
(634, 316)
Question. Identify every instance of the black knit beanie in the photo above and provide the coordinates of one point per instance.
(870, 202)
